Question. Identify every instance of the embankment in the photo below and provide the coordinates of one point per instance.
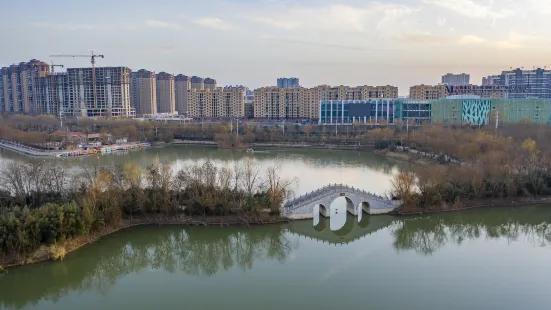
(43, 253)
(468, 205)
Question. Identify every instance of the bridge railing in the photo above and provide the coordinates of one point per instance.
(328, 190)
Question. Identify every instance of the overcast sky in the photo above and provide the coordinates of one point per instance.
(252, 42)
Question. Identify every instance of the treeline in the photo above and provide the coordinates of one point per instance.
(222, 132)
(42, 205)
(493, 166)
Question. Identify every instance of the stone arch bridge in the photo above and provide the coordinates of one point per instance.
(302, 207)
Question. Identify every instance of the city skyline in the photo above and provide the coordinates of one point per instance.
(251, 43)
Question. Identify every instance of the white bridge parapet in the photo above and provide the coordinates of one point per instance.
(303, 206)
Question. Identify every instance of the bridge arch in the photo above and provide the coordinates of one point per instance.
(363, 207)
(357, 202)
(323, 210)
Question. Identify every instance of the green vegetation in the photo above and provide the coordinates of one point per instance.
(41, 205)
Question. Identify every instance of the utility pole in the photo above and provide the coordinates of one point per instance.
(497, 121)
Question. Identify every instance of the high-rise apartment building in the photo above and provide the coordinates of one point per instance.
(166, 102)
(24, 88)
(110, 97)
(210, 83)
(249, 104)
(288, 82)
(2, 101)
(182, 85)
(143, 90)
(456, 79)
(490, 80)
(221, 102)
(294, 103)
(522, 83)
(197, 83)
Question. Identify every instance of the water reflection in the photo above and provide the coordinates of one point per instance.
(195, 252)
(202, 253)
(338, 214)
(428, 234)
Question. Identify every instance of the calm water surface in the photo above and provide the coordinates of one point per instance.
(486, 259)
(483, 259)
(313, 168)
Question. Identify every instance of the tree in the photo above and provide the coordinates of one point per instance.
(403, 185)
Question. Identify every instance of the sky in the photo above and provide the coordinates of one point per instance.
(253, 42)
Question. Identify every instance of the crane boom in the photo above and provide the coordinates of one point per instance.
(93, 61)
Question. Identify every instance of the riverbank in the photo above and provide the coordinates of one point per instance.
(481, 204)
(44, 253)
(406, 156)
(25, 150)
(81, 152)
(302, 145)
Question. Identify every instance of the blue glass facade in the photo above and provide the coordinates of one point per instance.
(348, 112)
(288, 83)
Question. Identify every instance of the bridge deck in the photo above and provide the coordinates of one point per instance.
(303, 204)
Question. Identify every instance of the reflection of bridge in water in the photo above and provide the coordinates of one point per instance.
(350, 232)
(357, 200)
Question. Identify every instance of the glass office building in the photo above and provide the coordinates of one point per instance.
(459, 110)
(348, 112)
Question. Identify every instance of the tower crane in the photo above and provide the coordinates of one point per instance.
(93, 61)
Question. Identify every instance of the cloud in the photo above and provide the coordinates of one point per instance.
(469, 39)
(162, 24)
(441, 21)
(301, 42)
(424, 38)
(213, 22)
(283, 24)
(506, 45)
(471, 9)
(338, 17)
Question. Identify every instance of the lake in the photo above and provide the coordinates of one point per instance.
(476, 259)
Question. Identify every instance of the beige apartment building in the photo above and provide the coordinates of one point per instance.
(429, 92)
(294, 103)
(165, 93)
(144, 92)
(220, 102)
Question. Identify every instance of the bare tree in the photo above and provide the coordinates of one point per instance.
(251, 177)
